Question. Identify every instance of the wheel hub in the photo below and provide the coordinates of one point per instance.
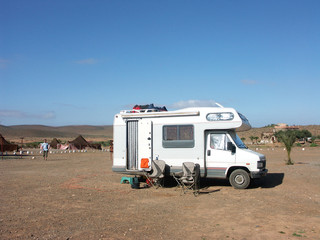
(239, 179)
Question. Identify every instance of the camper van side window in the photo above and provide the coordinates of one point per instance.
(178, 136)
(218, 141)
(170, 133)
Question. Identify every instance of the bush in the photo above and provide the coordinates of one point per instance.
(314, 145)
(103, 143)
(270, 125)
(31, 145)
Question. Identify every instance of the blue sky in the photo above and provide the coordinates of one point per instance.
(73, 62)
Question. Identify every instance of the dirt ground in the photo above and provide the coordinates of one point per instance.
(77, 196)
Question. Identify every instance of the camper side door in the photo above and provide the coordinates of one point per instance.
(145, 139)
(218, 156)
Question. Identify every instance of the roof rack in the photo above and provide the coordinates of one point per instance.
(145, 109)
(141, 110)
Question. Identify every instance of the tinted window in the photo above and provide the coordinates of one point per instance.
(178, 136)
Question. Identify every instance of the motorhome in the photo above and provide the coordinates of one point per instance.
(203, 135)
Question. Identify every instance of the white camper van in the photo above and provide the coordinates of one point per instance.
(205, 136)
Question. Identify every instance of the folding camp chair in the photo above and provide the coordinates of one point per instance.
(156, 176)
(189, 178)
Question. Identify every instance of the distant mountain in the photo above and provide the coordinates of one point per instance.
(41, 131)
(38, 132)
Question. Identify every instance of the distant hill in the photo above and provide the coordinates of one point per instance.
(36, 132)
(256, 132)
(99, 133)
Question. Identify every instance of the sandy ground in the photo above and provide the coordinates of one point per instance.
(77, 196)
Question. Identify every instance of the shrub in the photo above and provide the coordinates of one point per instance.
(32, 145)
(103, 143)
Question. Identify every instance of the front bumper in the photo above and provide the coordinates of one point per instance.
(259, 174)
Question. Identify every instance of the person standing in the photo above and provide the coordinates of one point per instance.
(45, 148)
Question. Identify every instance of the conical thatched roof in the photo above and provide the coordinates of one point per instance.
(80, 142)
(54, 143)
(6, 146)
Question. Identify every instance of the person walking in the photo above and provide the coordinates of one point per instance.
(45, 148)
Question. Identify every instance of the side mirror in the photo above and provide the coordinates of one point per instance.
(231, 147)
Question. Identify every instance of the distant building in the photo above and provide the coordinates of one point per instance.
(269, 137)
(284, 126)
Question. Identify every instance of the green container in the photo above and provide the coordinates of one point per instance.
(135, 183)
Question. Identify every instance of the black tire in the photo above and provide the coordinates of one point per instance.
(239, 179)
(196, 187)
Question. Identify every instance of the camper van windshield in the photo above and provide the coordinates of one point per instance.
(237, 140)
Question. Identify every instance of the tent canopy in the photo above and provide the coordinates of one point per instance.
(54, 143)
(6, 146)
(80, 142)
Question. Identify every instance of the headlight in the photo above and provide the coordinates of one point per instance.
(261, 164)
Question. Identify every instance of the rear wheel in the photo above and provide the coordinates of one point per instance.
(239, 179)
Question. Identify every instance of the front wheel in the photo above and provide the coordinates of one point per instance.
(239, 179)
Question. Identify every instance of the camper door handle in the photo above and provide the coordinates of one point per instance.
(208, 152)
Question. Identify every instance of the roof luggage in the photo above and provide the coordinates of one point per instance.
(149, 108)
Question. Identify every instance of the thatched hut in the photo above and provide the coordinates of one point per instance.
(6, 146)
(54, 143)
(80, 143)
